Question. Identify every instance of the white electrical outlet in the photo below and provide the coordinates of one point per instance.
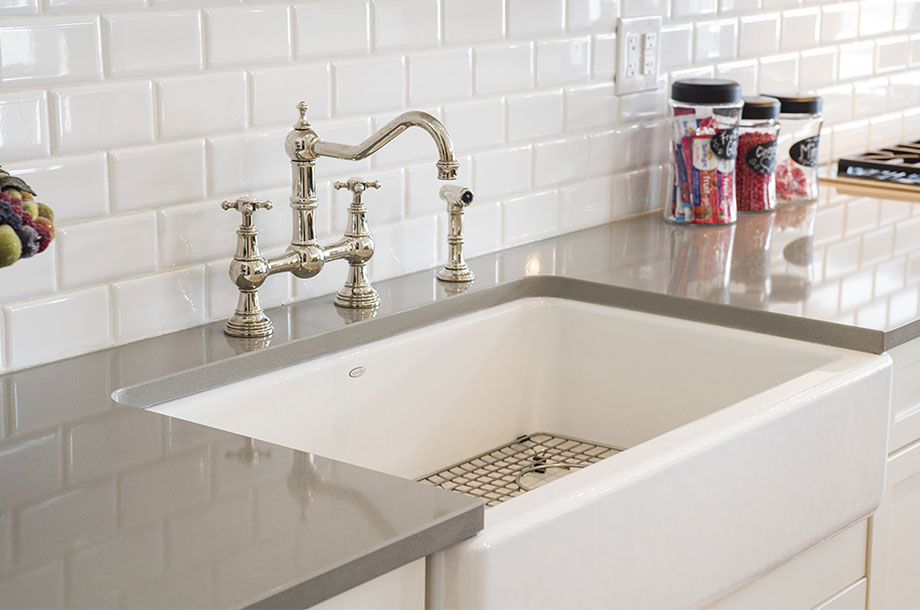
(637, 55)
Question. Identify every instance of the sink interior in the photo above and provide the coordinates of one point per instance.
(423, 400)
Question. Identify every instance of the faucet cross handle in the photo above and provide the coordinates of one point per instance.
(357, 185)
(247, 207)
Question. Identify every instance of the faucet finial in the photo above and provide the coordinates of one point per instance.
(302, 123)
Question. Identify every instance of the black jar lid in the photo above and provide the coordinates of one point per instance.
(760, 107)
(796, 103)
(706, 91)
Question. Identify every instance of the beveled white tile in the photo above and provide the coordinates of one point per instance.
(247, 162)
(592, 15)
(691, 9)
(904, 90)
(562, 61)
(776, 5)
(473, 20)
(614, 150)
(800, 28)
(332, 27)
(590, 107)
(440, 76)
(476, 124)
(906, 15)
(875, 17)
(107, 249)
(404, 247)
(201, 105)
(482, 230)
(758, 35)
(505, 67)
(222, 293)
(405, 24)
(277, 91)
(856, 59)
(891, 54)
(243, 36)
(560, 161)
(153, 42)
(423, 187)
(638, 8)
(817, 67)
(701, 72)
(911, 121)
(24, 125)
(502, 172)
(50, 50)
(60, 6)
(31, 277)
(585, 205)
(851, 138)
(19, 7)
(778, 71)
(158, 304)
(369, 85)
(197, 232)
(79, 183)
(637, 192)
(870, 97)
(884, 130)
(838, 103)
(90, 118)
(653, 143)
(385, 205)
(534, 115)
(839, 21)
(738, 6)
(743, 72)
(676, 46)
(529, 218)
(151, 176)
(715, 40)
(604, 56)
(533, 18)
(646, 105)
(55, 327)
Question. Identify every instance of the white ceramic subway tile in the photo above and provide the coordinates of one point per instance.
(839, 21)
(817, 67)
(870, 97)
(351, 131)
(388, 203)
(50, 50)
(18, 7)
(274, 225)
(676, 46)
(473, 20)
(715, 40)
(613, 151)
(332, 27)
(884, 130)
(776, 5)
(24, 125)
(701, 72)
(404, 247)
(562, 61)
(482, 229)
(243, 36)
(529, 218)
(532, 18)
(891, 54)
(423, 187)
(107, 249)
(276, 92)
(184, 3)
(440, 76)
(856, 59)
(604, 56)
(412, 145)
(875, 17)
(642, 106)
(800, 28)
(369, 85)
(405, 24)
(153, 42)
(502, 172)
(505, 67)
(638, 8)
(758, 35)
(560, 161)
(779, 72)
(223, 294)
(31, 277)
(90, 118)
(247, 162)
(201, 105)
(158, 304)
(911, 122)
(151, 176)
(838, 104)
(738, 6)
(590, 107)
(851, 137)
(62, 6)
(743, 72)
(75, 187)
(904, 90)
(585, 205)
(691, 9)
(653, 143)
(63, 325)
(196, 232)
(637, 192)
(592, 15)
(534, 115)
(907, 15)
(476, 124)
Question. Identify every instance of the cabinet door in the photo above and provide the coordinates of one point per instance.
(894, 564)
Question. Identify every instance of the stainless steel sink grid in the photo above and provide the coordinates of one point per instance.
(528, 462)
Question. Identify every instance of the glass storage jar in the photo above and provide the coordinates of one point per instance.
(755, 180)
(704, 140)
(797, 148)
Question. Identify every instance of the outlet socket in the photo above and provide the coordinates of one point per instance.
(637, 54)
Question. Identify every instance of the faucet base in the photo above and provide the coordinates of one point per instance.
(462, 274)
(249, 320)
(357, 297)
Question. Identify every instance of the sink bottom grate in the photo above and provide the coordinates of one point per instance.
(528, 462)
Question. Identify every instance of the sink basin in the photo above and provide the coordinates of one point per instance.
(741, 450)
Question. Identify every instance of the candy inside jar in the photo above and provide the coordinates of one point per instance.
(755, 178)
(797, 150)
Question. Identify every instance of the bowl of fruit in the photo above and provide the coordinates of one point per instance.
(26, 225)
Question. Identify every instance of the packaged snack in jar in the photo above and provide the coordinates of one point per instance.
(797, 149)
(757, 132)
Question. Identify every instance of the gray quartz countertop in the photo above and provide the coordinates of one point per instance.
(103, 504)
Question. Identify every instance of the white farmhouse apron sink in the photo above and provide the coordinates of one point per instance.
(742, 450)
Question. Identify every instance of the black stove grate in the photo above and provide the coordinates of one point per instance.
(894, 165)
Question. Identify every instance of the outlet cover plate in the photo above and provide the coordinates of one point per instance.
(638, 52)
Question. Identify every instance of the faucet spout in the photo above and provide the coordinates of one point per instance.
(447, 164)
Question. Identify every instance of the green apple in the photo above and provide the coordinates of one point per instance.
(10, 246)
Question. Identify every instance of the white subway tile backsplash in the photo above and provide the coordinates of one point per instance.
(870, 97)
(562, 61)
(404, 247)
(838, 104)
(61, 6)
(473, 20)
(105, 250)
(642, 106)
(817, 67)
(57, 50)
(532, 18)
(151, 176)
(246, 163)
(482, 224)
(502, 172)
(775, 5)
(856, 59)
(412, 145)
(604, 56)
(331, 27)
(738, 6)
(884, 130)
(276, 92)
(592, 15)
(241, 36)
(875, 17)
(758, 35)
(90, 118)
(222, 294)
(387, 204)
(800, 28)
(351, 131)
(676, 46)
(585, 205)
(560, 161)
(686, 9)
(476, 124)
(406, 24)
(138, 43)
(839, 21)
(194, 233)
(850, 138)
(743, 72)
(440, 76)
(891, 54)
(31, 277)
(777, 73)
(590, 107)
(638, 8)
(715, 40)
(201, 105)
(19, 7)
(904, 90)
(24, 125)
(907, 15)
(80, 183)
(533, 115)
(505, 67)
(55, 327)
(529, 218)
(158, 304)
(369, 85)
(613, 151)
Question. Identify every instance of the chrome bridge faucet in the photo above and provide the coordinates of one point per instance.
(305, 257)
